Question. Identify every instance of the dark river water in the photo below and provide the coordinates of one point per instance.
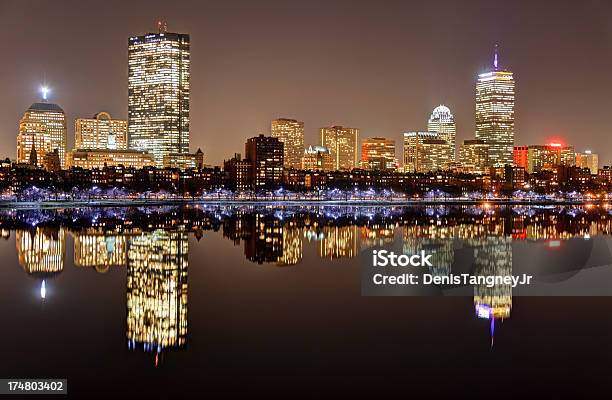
(244, 301)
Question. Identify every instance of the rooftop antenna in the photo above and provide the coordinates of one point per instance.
(162, 27)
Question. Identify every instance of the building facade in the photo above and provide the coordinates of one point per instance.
(42, 128)
(442, 121)
(589, 160)
(265, 154)
(435, 155)
(378, 153)
(549, 155)
(520, 156)
(184, 160)
(495, 113)
(317, 158)
(291, 133)
(342, 144)
(473, 156)
(100, 132)
(416, 154)
(90, 159)
(158, 94)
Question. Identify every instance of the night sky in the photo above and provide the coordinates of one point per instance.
(380, 66)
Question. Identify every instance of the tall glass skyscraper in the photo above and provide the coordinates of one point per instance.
(495, 113)
(443, 122)
(158, 93)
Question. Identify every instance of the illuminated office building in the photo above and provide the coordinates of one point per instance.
(100, 251)
(291, 133)
(317, 158)
(266, 156)
(42, 251)
(547, 156)
(495, 113)
(43, 128)
(342, 144)
(589, 160)
(338, 242)
(473, 155)
(437, 155)
(158, 94)
(520, 156)
(157, 290)
(443, 122)
(378, 153)
(425, 151)
(91, 159)
(184, 160)
(100, 132)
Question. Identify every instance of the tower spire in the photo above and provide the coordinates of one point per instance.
(495, 60)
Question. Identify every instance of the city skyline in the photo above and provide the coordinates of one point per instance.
(540, 111)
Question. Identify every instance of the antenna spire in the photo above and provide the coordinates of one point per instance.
(162, 27)
(495, 58)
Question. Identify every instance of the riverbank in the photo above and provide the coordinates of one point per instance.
(52, 204)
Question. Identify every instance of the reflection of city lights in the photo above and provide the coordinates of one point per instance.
(554, 243)
(43, 290)
(483, 311)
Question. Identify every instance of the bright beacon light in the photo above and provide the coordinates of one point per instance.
(44, 90)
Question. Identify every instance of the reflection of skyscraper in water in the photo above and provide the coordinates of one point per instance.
(338, 242)
(376, 235)
(434, 240)
(264, 238)
(292, 244)
(100, 251)
(41, 252)
(157, 290)
(493, 256)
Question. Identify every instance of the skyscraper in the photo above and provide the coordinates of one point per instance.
(42, 127)
(495, 113)
(158, 93)
(100, 132)
(291, 133)
(442, 121)
(378, 153)
(342, 145)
